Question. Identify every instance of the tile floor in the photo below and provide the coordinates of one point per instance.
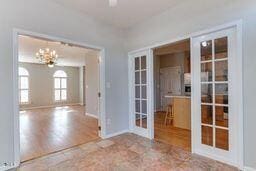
(127, 152)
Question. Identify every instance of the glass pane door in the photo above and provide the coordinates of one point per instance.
(140, 91)
(216, 99)
(214, 93)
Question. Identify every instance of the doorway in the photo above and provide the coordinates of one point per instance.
(56, 118)
(207, 139)
(172, 100)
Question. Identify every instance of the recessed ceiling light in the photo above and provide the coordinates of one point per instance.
(112, 3)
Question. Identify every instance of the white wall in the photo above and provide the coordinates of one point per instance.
(41, 85)
(49, 18)
(92, 85)
(196, 15)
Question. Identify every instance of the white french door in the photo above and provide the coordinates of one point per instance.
(140, 65)
(215, 95)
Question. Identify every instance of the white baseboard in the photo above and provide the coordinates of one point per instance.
(50, 106)
(92, 115)
(249, 169)
(5, 168)
(116, 133)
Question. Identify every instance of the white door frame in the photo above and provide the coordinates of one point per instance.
(238, 26)
(102, 100)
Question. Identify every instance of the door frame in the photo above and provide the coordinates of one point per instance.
(102, 99)
(238, 26)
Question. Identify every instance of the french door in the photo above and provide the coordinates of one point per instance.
(215, 95)
(140, 70)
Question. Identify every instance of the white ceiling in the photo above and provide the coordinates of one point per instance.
(68, 55)
(125, 14)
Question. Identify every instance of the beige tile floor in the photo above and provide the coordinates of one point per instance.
(127, 152)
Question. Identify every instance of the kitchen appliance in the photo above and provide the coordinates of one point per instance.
(187, 84)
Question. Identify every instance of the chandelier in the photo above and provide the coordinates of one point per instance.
(47, 57)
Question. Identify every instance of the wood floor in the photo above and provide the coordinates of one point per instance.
(44, 131)
(171, 135)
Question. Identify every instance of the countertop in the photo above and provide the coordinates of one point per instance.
(177, 96)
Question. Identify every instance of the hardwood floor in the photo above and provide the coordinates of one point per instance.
(171, 135)
(44, 131)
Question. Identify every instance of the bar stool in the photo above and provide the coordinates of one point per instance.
(169, 116)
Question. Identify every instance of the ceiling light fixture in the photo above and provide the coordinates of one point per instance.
(47, 57)
(112, 3)
(204, 44)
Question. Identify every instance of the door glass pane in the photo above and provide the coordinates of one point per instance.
(221, 70)
(143, 62)
(24, 82)
(144, 121)
(137, 91)
(144, 92)
(57, 83)
(137, 77)
(137, 63)
(137, 120)
(206, 114)
(63, 83)
(221, 93)
(221, 48)
(206, 93)
(222, 140)
(143, 77)
(206, 71)
(221, 116)
(137, 106)
(207, 135)
(24, 96)
(57, 95)
(63, 94)
(206, 50)
(144, 106)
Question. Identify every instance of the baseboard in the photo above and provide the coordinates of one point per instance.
(5, 168)
(50, 106)
(92, 115)
(116, 133)
(249, 169)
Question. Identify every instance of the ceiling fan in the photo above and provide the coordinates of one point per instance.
(112, 3)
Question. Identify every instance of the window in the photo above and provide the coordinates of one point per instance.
(60, 85)
(23, 86)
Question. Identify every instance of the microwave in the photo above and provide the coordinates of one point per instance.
(188, 89)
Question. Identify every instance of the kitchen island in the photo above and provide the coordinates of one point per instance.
(182, 110)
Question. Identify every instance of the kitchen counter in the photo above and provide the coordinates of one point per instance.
(181, 110)
(177, 96)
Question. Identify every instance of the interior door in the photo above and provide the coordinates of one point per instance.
(215, 96)
(140, 93)
(170, 83)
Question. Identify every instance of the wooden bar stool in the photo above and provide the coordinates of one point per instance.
(169, 116)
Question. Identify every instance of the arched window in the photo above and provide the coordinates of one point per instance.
(23, 86)
(60, 85)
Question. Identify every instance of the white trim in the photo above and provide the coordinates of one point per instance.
(102, 113)
(249, 169)
(5, 168)
(116, 133)
(50, 106)
(238, 25)
(92, 115)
